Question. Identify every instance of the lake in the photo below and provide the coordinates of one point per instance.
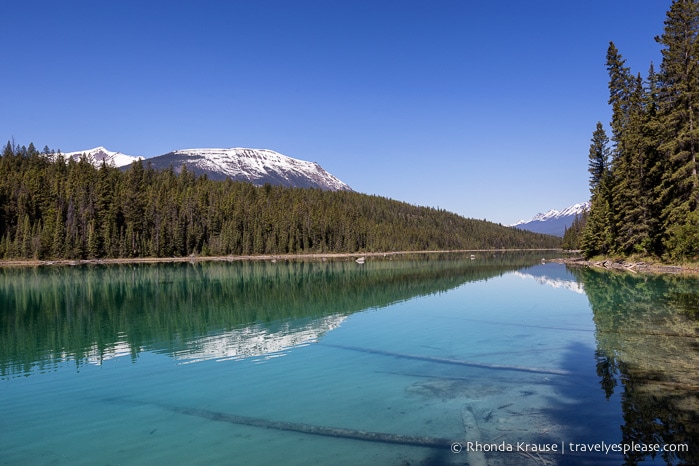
(495, 359)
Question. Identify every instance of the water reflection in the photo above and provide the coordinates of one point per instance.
(263, 341)
(555, 278)
(500, 360)
(89, 314)
(647, 349)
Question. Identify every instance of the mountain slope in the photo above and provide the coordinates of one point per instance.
(553, 222)
(166, 215)
(258, 166)
(100, 154)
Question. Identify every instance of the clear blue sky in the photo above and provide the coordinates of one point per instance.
(483, 108)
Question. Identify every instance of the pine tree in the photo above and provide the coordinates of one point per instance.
(598, 231)
(620, 98)
(632, 190)
(652, 130)
(8, 151)
(573, 234)
(679, 115)
(620, 85)
(598, 157)
(595, 237)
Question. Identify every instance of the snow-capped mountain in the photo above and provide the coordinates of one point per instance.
(100, 154)
(553, 222)
(258, 166)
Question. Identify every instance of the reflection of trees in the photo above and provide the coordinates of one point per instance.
(48, 314)
(647, 340)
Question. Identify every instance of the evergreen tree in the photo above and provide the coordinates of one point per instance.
(598, 156)
(595, 235)
(679, 116)
(50, 209)
(620, 98)
(620, 85)
(573, 234)
(633, 190)
(648, 200)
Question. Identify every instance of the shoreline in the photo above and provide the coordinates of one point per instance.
(631, 267)
(236, 258)
(605, 264)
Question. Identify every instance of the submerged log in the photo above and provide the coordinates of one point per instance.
(337, 432)
(473, 434)
(458, 362)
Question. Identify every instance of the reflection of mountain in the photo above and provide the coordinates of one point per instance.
(92, 313)
(257, 340)
(648, 339)
(542, 278)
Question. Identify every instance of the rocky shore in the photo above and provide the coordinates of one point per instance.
(632, 267)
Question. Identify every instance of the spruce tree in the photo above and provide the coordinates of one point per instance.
(632, 190)
(596, 231)
(679, 116)
(621, 85)
(598, 156)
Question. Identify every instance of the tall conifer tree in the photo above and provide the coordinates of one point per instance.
(596, 236)
(633, 191)
(679, 116)
(598, 157)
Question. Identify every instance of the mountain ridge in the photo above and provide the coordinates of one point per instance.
(100, 154)
(257, 166)
(554, 222)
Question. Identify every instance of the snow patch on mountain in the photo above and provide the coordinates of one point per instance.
(99, 154)
(553, 222)
(575, 209)
(259, 166)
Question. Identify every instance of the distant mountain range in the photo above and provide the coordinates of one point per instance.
(261, 166)
(258, 166)
(100, 154)
(553, 222)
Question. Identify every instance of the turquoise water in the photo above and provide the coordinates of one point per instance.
(246, 363)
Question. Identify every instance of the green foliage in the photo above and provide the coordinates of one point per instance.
(597, 232)
(572, 237)
(643, 321)
(649, 203)
(50, 209)
(598, 165)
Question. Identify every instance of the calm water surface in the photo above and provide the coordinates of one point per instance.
(387, 362)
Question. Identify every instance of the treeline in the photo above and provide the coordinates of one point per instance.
(643, 180)
(51, 208)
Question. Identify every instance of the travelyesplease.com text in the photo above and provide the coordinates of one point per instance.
(563, 447)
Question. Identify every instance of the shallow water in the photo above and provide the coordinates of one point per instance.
(247, 363)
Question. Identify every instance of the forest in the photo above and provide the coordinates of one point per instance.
(643, 178)
(52, 208)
